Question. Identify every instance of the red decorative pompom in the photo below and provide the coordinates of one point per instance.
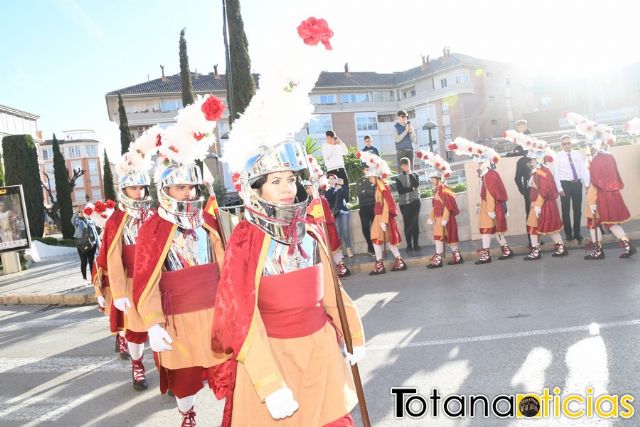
(198, 136)
(88, 211)
(419, 154)
(383, 176)
(173, 148)
(437, 165)
(100, 206)
(453, 147)
(212, 108)
(235, 177)
(470, 149)
(610, 141)
(158, 140)
(314, 31)
(504, 133)
(548, 159)
(495, 159)
(110, 204)
(237, 186)
(358, 155)
(447, 175)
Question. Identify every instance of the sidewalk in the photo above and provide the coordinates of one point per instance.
(59, 282)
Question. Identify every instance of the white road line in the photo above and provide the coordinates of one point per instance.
(56, 364)
(41, 409)
(48, 323)
(496, 337)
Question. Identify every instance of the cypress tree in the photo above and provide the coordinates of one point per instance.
(1, 174)
(242, 86)
(107, 179)
(125, 134)
(185, 74)
(63, 190)
(21, 167)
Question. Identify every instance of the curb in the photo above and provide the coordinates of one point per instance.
(87, 296)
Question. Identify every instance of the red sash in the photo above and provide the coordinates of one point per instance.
(190, 289)
(128, 259)
(291, 304)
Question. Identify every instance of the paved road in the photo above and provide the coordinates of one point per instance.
(496, 329)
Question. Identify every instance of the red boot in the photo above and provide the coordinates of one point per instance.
(343, 270)
(138, 375)
(597, 253)
(121, 347)
(534, 254)
(457, 258)
(399, 265)
(485, 257)
(188, 418)
(436, 261)
(378, 269)
(506, 252)
(628, 249)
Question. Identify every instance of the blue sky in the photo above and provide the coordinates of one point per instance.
(60, 57)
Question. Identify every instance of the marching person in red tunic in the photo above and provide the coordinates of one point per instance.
(544, 216)
(384, 227)
(604, 201)
(444, 211)
(492, 212)
(178, 261)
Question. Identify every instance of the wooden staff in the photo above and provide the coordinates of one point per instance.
(346, 332)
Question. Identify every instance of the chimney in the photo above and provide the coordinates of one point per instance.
(163, 78)
(196, 73)
(427, 59)
(215, 72)
(346, 69)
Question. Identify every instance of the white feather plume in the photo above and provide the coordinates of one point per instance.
(633, 126)
(375, 163)
(463, 146)
(435, 161)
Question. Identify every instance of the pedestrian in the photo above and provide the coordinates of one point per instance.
(444, 211)
(333, 152)
(492, 211)
(384, 227)
(368, 145)
(366, 198)
(178, 262)
(544, 216)
(86, 238)
(405, 137)
(522, 126)
(523, 172)
(407, 184)
(120, 237)
(333, 241)
(571, 174)
(336, 196)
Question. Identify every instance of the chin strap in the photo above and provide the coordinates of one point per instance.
(289, 226)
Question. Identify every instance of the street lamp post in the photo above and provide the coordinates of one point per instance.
(430, 126)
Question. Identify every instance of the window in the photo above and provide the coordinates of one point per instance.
(492, 99)
(385, 96)
(447, 133)
(319, 124)
(366, 121)
(443, 83)
(545, 101)
(45, 154)
(462, 79)
(445, 107)
(494, 123)
(96, 192)
(80, 196)
(350, 98)
(95, 180)
(93, 167)
(386, 118)
(92, 151)
(411, 114)
(327, 99)
(489, 75)
(170, 105)
(408, 92)
(73, 152)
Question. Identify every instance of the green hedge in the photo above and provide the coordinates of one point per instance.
(52, 241)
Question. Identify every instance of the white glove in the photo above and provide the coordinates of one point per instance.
(538, 211)
(281, 403)
(492, 215)
(159, 338)
(429, 221)
(383, 226)
(101, 301)
(122, 304)
(477, 210)
(593, 208)
(359, 352)
(444, 222)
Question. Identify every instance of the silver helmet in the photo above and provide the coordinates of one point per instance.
(284, 222)
(137, 208)
(186, 214)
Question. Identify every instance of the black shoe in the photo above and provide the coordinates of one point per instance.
(569, 237)
(417, 248)
(409, 249)
(579, 238)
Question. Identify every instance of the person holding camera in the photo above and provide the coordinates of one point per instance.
(407, 184)
(86, 237)
(333, 152)
(336, 196)
(405, 137)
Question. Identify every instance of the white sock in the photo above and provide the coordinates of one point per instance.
(453, 246)
(500, 238)
(185, 403)
(618, 231)
(378, 250)
(486, 241)
(439, 246)
(122, 333)
(337, 257)
(534, 240)
(596, 235)
(394, 250)
(135, 350)
(556, 238)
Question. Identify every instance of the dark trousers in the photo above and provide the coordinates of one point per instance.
(410, 215)
(86, 257)
(408, 153)
(527, 208)
(572, 197)
(341, 173)
(366, 219)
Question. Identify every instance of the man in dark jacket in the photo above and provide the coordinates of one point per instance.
(407, 184)
(366, 197)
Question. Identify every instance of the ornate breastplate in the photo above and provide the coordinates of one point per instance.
(189, 248)
(279, 261)
(130, 231)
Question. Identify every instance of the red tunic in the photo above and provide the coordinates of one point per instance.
(543, 193)
(493, 185)
(611, 208)
(444, 198)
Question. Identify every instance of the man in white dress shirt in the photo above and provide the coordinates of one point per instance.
(570, 174)
(333, 152)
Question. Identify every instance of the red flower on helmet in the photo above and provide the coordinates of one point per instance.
(110, 204)
(383, 176)
(548, 159)
(173, 148)
(212, 108)
(358, 155)
(198, 136)
(88, 211)
(419, 154)
(314, 31)
(235, 177)
(158, 140)
(452, 147)
(100, 206)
